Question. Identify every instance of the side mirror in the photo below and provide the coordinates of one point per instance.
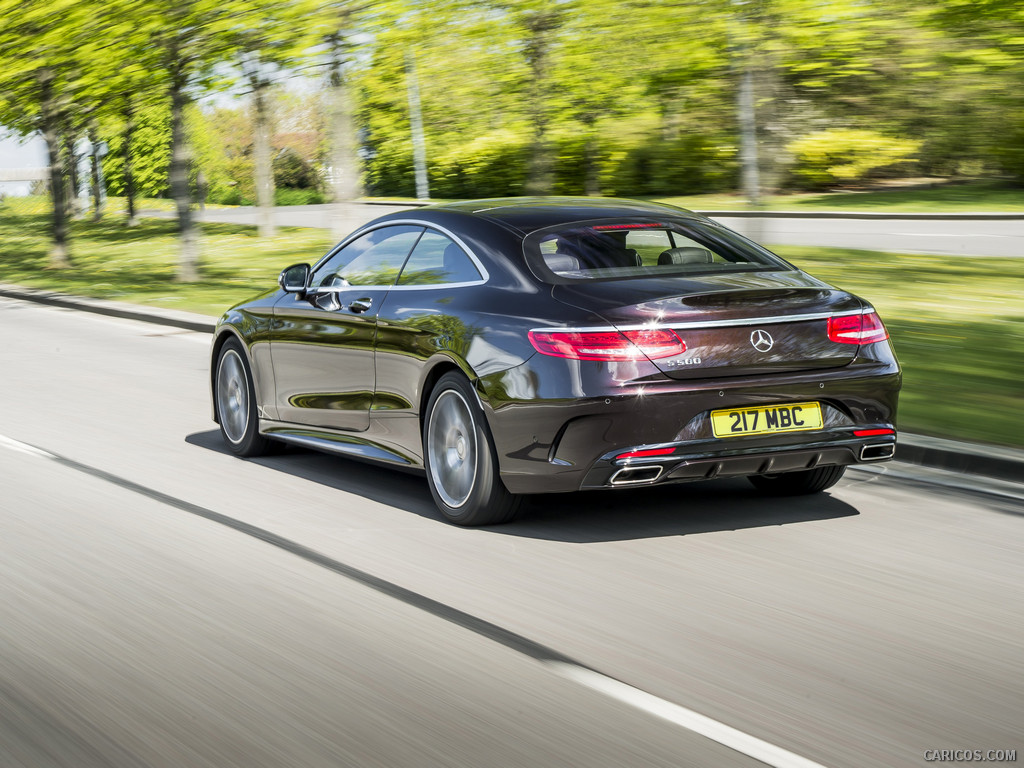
(294, 279)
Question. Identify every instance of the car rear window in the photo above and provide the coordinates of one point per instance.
(623, 249)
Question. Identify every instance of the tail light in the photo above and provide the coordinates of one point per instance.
(609, 345)
(857, 329)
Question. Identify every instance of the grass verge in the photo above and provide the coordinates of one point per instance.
(137, 264)
(957, 323)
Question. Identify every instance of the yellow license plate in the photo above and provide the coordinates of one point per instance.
(766, 419)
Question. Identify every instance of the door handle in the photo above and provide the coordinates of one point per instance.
(360, 305)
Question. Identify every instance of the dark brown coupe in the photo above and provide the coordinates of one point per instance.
(540, 345)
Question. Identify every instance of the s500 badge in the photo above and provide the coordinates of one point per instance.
(685, 361)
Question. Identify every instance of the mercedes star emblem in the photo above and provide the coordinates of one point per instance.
(762, 341)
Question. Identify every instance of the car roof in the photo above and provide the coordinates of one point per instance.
(528, 214)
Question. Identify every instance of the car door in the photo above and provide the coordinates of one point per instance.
(322, 345)
(424, 314)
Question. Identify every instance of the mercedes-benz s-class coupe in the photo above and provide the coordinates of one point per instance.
(540, 345)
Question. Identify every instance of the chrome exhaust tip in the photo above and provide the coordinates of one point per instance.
(877, 452)
(634, 475)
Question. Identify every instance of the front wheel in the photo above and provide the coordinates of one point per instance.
(461, 463)
(798, 483)
(235, 400)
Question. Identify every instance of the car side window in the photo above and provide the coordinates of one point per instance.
(375, 258)
(438, 260)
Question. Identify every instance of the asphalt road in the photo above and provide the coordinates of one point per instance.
(955, 235)
(165, 604)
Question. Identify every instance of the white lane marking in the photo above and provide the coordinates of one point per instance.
(751, 746)
(17, 445)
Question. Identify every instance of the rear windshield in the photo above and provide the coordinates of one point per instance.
(616, 249)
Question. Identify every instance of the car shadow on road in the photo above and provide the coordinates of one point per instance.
(681, 509)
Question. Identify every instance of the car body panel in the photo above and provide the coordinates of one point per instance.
(322, 354)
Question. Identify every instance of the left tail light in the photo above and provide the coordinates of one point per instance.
(609, 345)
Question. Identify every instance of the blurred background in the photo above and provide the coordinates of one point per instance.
(505, 97)
(840, 106)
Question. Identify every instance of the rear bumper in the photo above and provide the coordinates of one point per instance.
(568, 444)
(689, 464)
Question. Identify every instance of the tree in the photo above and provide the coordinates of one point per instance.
(45, 48)
(274, 35)
(188, 39)
(339, 24)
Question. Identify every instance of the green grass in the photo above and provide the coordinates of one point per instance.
(137, 264)
(957, 323)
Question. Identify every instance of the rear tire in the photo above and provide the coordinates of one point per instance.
(798, 483)
(460, 459)
(234, 397)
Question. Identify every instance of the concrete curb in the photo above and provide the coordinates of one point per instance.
(938, 453)
(967, 458)
(190, 321)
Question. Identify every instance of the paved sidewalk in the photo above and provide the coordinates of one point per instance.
(996, 462)
(950, 234)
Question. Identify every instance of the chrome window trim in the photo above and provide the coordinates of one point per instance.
(706, 323)
(485, 275)
(351, 288)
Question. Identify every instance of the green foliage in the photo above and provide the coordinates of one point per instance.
(624, 98)
(292, 172)
(689, 164)
(285, 196)
(221, 141)
(229, 196)
(151, 153)
(843, 155)
(491, 165)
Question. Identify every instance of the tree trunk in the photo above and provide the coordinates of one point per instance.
(97, 176)
(539, 25)
(188, 260)
(591, 158)
(344, 158)
(74, 203)
(419, 147)
(59, 256)
(129, 174)
(749, 161)
(261, 150)
(748, 137)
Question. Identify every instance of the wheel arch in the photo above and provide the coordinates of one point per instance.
(222, 335)
(435, 369)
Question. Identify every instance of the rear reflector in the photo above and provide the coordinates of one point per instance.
(873, 432)
(609, 345)
(857, 329)
(645, 452)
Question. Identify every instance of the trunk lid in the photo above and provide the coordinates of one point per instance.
(733, 325)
